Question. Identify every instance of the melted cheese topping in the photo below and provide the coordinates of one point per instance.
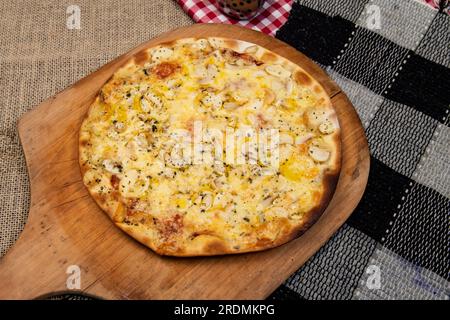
(131, 133)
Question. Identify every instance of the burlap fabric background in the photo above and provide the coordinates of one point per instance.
(40, 56)
(401, 224)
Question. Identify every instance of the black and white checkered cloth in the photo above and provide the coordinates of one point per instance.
(398, 79)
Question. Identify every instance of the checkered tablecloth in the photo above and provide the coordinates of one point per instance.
(272, 16)
(397, 76)
(392, 58)
(442, 5)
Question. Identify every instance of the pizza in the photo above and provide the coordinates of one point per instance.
(211, 146)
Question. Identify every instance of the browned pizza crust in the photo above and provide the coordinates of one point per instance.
(204, 244)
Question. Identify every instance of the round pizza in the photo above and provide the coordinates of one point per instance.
(211, 146)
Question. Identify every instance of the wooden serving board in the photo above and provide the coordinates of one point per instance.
(65, 227)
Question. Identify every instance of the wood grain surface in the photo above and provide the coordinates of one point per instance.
(65, 227)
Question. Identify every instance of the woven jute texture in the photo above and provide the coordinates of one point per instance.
(40, 56)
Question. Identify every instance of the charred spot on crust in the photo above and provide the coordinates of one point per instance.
(231, 44)
(264, 242)
(141, 57)
(215, 246)
(317, 89)
(302, 78)
(269, 57)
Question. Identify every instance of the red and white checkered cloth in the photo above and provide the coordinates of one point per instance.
(273, 15)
